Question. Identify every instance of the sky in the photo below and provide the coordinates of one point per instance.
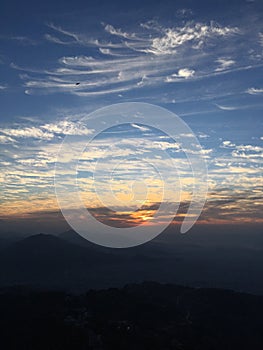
(61, 61)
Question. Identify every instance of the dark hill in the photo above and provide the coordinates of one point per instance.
(49, 260)
(147, 316)
(72, 237)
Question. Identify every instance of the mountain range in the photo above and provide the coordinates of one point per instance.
(69, 262)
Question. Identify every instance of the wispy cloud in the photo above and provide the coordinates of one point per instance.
(184, 12)
(29, 132)
(238, 107)
(224, 63)
(66, 127)
(228, 143)
(150, 56)
(182, 73)
(255, 91)
(75, 38)
(227, 108)
(245, 151)
(140, 127)
(6, 139)
(45, 131)
(195, 34)
(56, 40)
(22, 40)
(118, 32)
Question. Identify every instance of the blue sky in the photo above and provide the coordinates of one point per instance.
(201, 60)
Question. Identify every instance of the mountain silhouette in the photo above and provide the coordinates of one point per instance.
(49, 260)
(73, 237)
(71, 263)
(68, 261)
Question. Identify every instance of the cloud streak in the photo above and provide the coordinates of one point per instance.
(224, 63)
(45, 131)
(255, 91)
(148, 57)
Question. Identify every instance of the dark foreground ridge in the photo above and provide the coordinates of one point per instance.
(139, 316)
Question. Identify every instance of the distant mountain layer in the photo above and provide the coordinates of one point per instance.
(55, 262)
(48, 260)
(71, 263)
